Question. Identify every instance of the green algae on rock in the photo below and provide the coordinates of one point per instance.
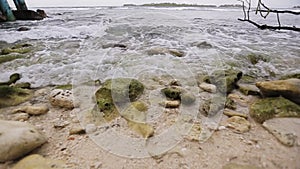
(254, 59)
(115, 91)
(19, 48)
(11, 96)
(267, 108)
(10, 57)
(172, 92)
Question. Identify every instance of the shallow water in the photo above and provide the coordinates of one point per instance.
(69, 44)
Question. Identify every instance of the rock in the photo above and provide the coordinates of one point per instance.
(164, 51)
(136, 111)
(34, 110)
(172, 92)
(77, 130)
(225, 80)
(117, 91)
(62, 98)
(230, 104)
(187, 98)
(17, 139)
(231, 113)
(23, 28)
(114, 45)
(290, 76)
(42, 13)
(27, 15)
(212, 106)
(194, 133)
(289, 89)
(10, 57)
(59, 123)
(175, 82)
(238, 124)
(12, 79)
(203, 45)
(239, 166)
(25, 85)
(12, 96)
(286, 130)
(36, 161)
(254, 59)
(20, 117)
(144, 129)
(19, 48)
(264, 109)
(248, 89)
(208, 87)
(171, 104)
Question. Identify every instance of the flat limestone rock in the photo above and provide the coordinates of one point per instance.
(286, 130)
(17, 139)
(289, 89)
(36, 161)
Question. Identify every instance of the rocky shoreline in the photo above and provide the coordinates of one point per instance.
(49, 128)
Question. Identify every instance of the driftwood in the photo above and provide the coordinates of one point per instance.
(264, 13)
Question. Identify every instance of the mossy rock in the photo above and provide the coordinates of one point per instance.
(12, 79)
(136, 112)
(254, 59)
(10, 57)
(172, 92)
(65, 87)
(230, 104)
(115, 91)
(290, 76)
(225, 80)
(11, 96)
(20, 48)
(267, 108)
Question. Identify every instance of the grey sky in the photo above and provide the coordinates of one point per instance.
(56, 3)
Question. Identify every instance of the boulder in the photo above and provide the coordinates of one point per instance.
(17, 139)
(289, 89)
(28, 15)
(267, 108)
(36, 161)
(62, 98)
(286, 130)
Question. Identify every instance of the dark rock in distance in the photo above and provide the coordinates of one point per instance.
(23, 28)
(28, 15)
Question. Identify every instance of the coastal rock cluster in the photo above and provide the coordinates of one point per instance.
(121, 104)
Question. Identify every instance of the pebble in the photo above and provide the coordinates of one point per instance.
(59, 123)
(171, 104)
(231, 113)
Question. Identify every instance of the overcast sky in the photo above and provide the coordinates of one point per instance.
(56, 3)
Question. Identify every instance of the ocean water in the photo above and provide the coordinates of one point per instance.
(68, 46)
